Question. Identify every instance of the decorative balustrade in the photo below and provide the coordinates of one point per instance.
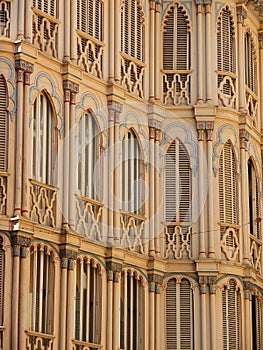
(176, 87)
(88, 218)
(43, 203)
(226, 89)
(132, 74)
(5, 18)
(45, 32)
(80, 345)
(3, 192)
(251, 102)
(178, 241)
(230, 242)
(39, 341)
(90, 53)
(132, 231)
(256, 253)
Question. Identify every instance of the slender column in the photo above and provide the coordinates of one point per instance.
(212, 292)
(208, 52)
(21, 19)
(151, 190)
(157, 193)
(157, 51)
(109, 310)
(241, 15)
(40, 295)
(110, 152)
(23, 294)
(260, 38)
(73, 34)
(28, 24)
(248, 287)
(152, 51)
(70, 304)
(157, 317)
(211, 232)
(200, 60)
(87, 300)
(111, 41)
(117, 41)
(151, 316)
(27, 150)
(116, 312)
(67, 31)
(125, 303)
(203, 283)
(15, 292)
(63, 302)
(202, 248)
(244, 137)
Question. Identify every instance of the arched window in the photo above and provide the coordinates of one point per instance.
(225, 42)
(228, 185)
(47, 6)
(41, 290)
(44, 139)
(2, 281)
(231, 317)
(90, 17)
(3, 125)
(179, 315)
(88, 302)
(254, 211)
(132, 316)
(88, 157)
(257, 334)
(250, 63)
(177, 184)
(132, 173)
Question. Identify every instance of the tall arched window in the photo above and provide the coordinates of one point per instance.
(254, 210)
(250, 63)
(132, 316)
(41, 290)
(44, 139)
(231, 317)
(88, 157)
(228, 185)
(132, 173)
(88, 302)
(177, 184)
(179, 315)
(3, 125)
(90, 17)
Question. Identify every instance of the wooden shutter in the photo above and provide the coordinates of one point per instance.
(177, 184)
(2, 281)
(3, 125)
(171, 319)
(186, 311)
(225, 42)
(227, 185)
(250, 63)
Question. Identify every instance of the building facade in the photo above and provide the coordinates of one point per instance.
(131, 175)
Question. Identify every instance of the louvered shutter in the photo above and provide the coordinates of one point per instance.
(2, 281)
(250, 63)
(177, 184)
(225, 43)
(227, 185)
(171, 325)
(47, 6)
(3, 125)
(186, 312)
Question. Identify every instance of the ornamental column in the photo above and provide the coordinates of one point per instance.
(260, 38)
(117, 41)
(21, 19)
(70, 300)
(111, 41)
(67, 13)
(116, 311)
(110, 168)
(245, 231)
(203, 283)
(151, 316)
(158, 50)
(248, 289)
(241, 15)
(200, 59)
(152, 51)
(208, 51)
(151, 187)
(63, 300)
(212, 293)
(109, 308)
(73, 34)
(157, 185)
(28, 24)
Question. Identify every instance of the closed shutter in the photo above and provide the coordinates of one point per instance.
(250, 63)
(177, 184)
(225, 42)
(227, 185)
(90, 17)
(186, 308)
(2, 281)
(47, 6)
(171, 325)
(3, 125)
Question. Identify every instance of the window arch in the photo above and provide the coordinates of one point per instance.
(88, 156)
(176, 40)
(231, 310)
(254, 210)
(228, 185)
(179, 315)
(225, 42)
(88, 301)
(177, 183)
(3, 125)
(132, 173)
(90, 17)
(41, 289)
(250, 63)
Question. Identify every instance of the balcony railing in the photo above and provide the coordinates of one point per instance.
(43, 203)
(45, 32)
(5, 18)
(39, 341)
(88, 218)
(176, 87)
(132, 74)
(3, 192)
(178, 240)
(132, 231)
(251, 102)
(230, 241)
(90, 53)
(226, 90)
(256, 253)
(80, 345)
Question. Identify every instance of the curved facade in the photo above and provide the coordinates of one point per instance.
(131, 175)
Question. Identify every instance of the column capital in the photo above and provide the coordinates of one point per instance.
(152, 287)
(260, 39)
(115, 109)
(244, 138)
(113, 266)
(241, 14)
(20, 245)
(248, 289)
(155, 281)
(68, 257)
(22, 65)
(203, 280)
(211, 282)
